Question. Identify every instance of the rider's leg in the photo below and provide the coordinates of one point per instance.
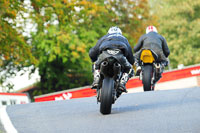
(163, 60)
(124, 79)
(96, 69)
(137, 64)
(138, 67)
(96, 72)
(163, 64)
(128, 73)
(96, 77)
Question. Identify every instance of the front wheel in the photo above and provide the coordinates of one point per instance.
(147, 75)
(106, 96)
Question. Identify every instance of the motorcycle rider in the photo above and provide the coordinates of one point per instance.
(112, 40)
(154, 41)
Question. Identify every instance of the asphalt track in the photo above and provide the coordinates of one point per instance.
(168, 111)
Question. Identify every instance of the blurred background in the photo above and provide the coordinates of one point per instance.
(44, 44)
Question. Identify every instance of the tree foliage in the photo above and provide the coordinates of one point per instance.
(66, 30)
(179, 23)
(132, 16)
(14, 51)
(64, 35)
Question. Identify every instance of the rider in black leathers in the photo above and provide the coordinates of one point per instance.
(152, 40)
(113, 40)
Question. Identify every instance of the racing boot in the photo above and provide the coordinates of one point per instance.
(123, 81)
(164, 63)
(95, 83)
(138, 68)
(161, 68)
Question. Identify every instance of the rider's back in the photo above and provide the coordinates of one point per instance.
(153, 41)
(112, 41)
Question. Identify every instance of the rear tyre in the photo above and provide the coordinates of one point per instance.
(146, 79)
(106, 97)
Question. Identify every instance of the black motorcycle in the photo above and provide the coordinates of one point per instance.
(111, 72)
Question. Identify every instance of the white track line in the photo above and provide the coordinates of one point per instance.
(5, 120)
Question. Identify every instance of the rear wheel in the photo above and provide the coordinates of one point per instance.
(106, 96)
(147, 75)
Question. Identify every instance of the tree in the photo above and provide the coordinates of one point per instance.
(15, 53)
(62, 41)
(133, 16)
(179, 23)
(67, 30)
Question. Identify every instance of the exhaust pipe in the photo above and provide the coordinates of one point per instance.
(158, 68)
(104, 67)
(116, 68)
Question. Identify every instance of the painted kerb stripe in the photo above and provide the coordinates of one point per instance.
(5, 120)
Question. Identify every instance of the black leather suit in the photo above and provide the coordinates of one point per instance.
(112, 41)
(153, 41)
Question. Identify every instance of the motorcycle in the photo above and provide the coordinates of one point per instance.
(151, 69)
(111, 72)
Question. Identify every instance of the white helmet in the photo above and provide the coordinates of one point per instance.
(151, 29)
(114, 29)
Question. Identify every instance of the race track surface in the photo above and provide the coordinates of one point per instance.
(168, 111)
